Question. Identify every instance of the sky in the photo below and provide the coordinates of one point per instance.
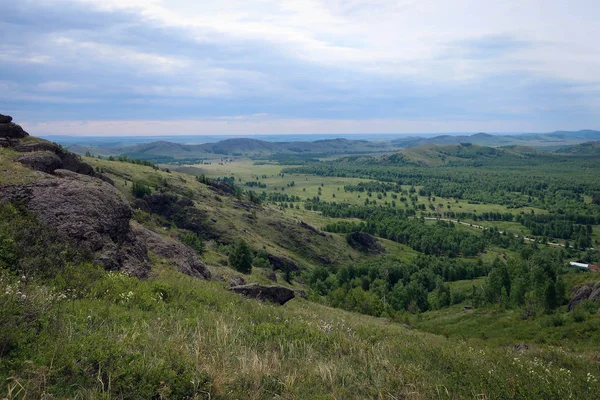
(240, 67)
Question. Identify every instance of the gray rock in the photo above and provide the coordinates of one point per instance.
(364, 242)
(12, 131)
(272, 276)
(43, 161)
(301, 294)
(237, 281)
(275, 294)
(521, 347)
(87, 212)
(283, 264)
(595, 294)
(68, 160)
(583, 293)
(5, 119)
(37, 146)
(176, 252)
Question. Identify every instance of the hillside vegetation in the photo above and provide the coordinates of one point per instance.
(116, 275)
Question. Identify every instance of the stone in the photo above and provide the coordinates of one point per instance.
(595, 294)
(237, 281)
(301, 293)
(520, 347)
(5, 119)
(12, 131)
(282, 264)
(183, 257)
(275, 294)
(88, 213)
(68, 160)
(43, 161)
(583, 293)
(364, 242)
(272, 276)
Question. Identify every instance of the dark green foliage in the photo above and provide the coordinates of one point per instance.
(240, 257)
(140, 190)
(194, 241)
(550, 181)
(390, 285)
(535, 280)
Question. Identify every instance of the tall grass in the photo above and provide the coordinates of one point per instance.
(173, 336)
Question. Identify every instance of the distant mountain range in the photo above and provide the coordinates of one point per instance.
(539, 140)
(165, 151)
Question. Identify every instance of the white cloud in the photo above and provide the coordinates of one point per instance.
(401, 38)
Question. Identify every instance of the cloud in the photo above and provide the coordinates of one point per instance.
(338, 60)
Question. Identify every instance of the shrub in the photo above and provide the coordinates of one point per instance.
(194, 241)
(240, 257)
(140, 190)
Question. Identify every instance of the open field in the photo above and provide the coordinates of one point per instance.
(332, 188)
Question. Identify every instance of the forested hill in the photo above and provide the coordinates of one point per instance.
(587, 148)
(163, 151)
(541, 140)
(459, 154)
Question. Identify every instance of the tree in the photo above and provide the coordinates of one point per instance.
(240, 257)
(194, 241)
(140, 190)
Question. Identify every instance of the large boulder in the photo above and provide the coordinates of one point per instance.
(5, 119)
(12, 131)
(68, 160)
(176, 252)
(275, 294)
(44, 161)
(237, 280)
(87, 212)
(282, 264)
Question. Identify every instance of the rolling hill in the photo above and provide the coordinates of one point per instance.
(543, 140)
(587, 148)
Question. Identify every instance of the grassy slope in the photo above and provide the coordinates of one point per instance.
(173, 336)
(176, 336)
(269, 228)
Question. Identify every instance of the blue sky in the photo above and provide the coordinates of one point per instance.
(157, 67)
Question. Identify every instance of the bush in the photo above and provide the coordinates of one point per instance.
(194, 241)
(140, 190)
(240, 257)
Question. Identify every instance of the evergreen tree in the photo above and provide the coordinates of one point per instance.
(241, 257)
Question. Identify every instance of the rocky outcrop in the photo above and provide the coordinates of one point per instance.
(176, 252)
(275, 294)
(283, 264)
(41, 155)
(178, 209)
(9, 129)
(590, 291)
(311, 228)
(237, 280)
(87, 212)
(364, 242)
(39, 150)
(43, 161)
